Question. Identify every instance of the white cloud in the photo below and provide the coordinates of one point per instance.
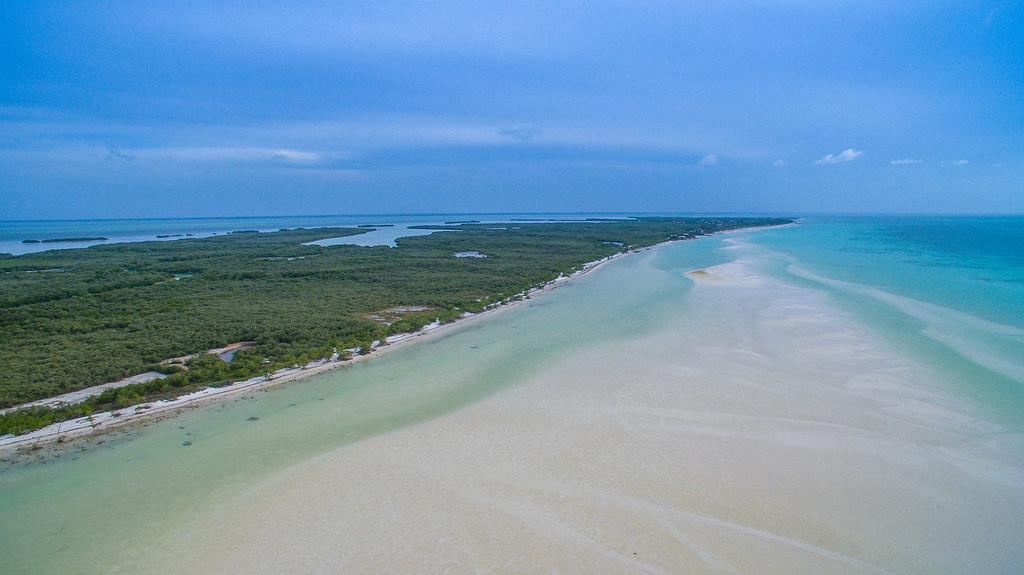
(780, 163)
(280, 155)
(905, 162)
(847, 155)
(297, 157)
(708, 160)
(960, 163)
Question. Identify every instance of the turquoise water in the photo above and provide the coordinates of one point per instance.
(970, 264)
(949, 292)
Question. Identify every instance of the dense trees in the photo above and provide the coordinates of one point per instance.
(71, 319)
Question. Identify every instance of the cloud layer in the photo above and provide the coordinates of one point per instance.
(847, 155)
(129, 108)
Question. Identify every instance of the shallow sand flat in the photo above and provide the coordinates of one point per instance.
(760, 431)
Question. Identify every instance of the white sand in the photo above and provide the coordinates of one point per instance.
(767, 434)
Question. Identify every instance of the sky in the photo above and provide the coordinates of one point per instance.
(218, 108)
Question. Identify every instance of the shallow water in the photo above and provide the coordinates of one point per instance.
(138, 485)
(947, 290)
(103, 509)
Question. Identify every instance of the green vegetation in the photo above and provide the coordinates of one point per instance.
(71, 319)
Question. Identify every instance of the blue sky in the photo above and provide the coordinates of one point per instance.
(121, 109)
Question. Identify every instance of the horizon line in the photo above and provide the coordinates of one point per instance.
(794, 213)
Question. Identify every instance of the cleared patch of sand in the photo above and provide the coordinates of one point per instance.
(764, 433)
(81, 395)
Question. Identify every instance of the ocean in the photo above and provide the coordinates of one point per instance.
(949, 290)
(856, 382)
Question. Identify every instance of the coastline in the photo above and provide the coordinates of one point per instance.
(781, 436)
(636, 422)
(148, 412)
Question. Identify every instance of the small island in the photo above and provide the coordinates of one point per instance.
(66, 240)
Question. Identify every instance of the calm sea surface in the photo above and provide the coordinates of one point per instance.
(946, 291)
(949, 290)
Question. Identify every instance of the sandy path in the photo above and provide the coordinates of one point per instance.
(766, 433)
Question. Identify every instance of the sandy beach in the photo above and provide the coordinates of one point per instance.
(757, 429)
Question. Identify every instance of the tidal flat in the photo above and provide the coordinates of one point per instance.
(642, 419)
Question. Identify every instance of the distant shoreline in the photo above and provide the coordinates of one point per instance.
(68, 240)
(137, 230)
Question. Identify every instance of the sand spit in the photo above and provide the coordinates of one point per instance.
(733, 274)
(759, 431)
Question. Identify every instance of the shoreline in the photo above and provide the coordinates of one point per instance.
(783, 435)
(149, 412)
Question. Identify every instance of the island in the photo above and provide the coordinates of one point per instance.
(272, 299)
(65, 240)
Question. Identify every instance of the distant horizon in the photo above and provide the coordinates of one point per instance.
(627, 213)
(514, 213)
